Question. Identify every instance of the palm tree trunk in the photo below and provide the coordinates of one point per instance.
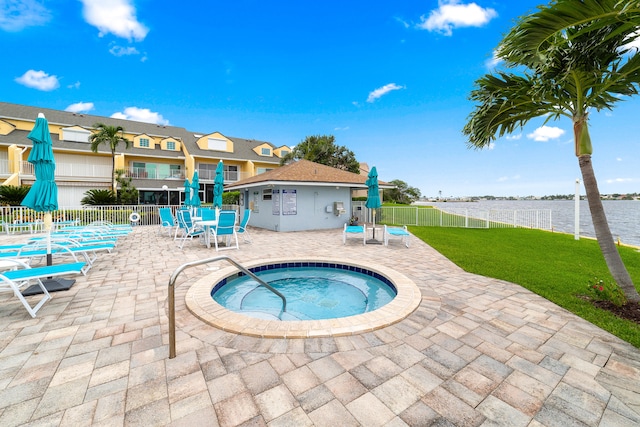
(113, 173)
(603, 233)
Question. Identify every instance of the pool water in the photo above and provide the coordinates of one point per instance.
(312, 293)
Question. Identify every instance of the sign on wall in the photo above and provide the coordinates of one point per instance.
(289, 202)
(275, 201)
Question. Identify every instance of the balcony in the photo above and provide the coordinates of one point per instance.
(144, 173)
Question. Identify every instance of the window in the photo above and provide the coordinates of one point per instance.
(284, 153)
(171, 145)
(262, 170)
(266, 194)
(144, 142)
(231, 173)
(75, 135)
(266, 151)
(217, 144)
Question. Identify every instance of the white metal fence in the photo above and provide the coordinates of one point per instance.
(457, 217)
(84, 215)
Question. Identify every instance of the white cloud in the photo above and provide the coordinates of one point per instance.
(80, 107)
(75, 85)
(619, 159)
(341, 128)
(619, 180)
(381, 91)
(514, 137)
(123, 51)
(493, 62)
(509, 178)
(402, 22)
(141, 115)
(451, 14)
(545, 133)
(16, 15)
(117, 17)
(39, 80)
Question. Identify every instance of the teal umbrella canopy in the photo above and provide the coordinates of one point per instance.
(218, 186)
(195, 194)
(373, 193)
(187, 193)
(43, 195)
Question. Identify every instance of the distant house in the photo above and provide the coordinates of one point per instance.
(301, 196)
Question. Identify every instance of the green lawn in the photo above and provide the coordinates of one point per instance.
(552, 265)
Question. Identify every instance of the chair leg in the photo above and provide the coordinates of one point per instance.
(33, 310)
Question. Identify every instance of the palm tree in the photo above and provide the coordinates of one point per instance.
(572, 56)
(112, 136)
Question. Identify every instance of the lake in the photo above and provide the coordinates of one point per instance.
(623, 215)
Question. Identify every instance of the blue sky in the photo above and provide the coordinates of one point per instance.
(389, 79)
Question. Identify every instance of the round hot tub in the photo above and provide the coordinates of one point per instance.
(324, 298)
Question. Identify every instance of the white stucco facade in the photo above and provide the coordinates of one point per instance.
(297, 207)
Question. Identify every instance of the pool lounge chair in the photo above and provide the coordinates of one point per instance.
(354, 230)
(398, 232)
(242, 228)
(20, 275)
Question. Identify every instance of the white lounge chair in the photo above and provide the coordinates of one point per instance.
(20, 275)
(398, 232)
(354, 230)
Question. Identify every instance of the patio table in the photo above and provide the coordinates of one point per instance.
(207, 224)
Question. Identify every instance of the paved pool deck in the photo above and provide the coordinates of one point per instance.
(476, 352)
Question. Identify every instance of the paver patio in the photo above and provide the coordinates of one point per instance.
(477, 351)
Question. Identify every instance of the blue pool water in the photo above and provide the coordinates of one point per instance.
(313, 292)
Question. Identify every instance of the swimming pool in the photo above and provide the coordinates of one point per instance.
(313, 291)
(200, 303)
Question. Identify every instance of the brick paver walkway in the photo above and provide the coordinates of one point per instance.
(477, 351)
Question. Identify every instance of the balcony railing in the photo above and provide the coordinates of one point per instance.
(64, 169)
(143, 173)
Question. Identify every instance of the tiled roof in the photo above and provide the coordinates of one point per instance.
(307, 172)
(243, 147)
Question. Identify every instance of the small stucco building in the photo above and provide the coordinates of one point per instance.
(301, 196)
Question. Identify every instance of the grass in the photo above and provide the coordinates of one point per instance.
(554, 266)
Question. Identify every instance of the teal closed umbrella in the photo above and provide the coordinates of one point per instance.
(43, 195)
(373, 197)
(187, 192)
(218, 186)
(195, 186)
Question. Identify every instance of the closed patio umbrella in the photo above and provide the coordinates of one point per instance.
(195, 194)
(373, 198)
(187, 192)
(218, 186)
(43, 195)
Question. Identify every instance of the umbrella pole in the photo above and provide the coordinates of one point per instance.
(51, 284)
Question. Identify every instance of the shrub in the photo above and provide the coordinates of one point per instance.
(607, 291)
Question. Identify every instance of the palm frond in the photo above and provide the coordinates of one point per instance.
(505, 102)
(530, 39)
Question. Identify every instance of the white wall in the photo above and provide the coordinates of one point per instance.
(311, 204)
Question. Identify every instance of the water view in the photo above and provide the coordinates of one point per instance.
(623, 215)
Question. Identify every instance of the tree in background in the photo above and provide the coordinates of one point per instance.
(572, 56)
(99, 198)
(12, 195)
(128, 194)
(322, 149)
(403, 193)
(112, 136)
